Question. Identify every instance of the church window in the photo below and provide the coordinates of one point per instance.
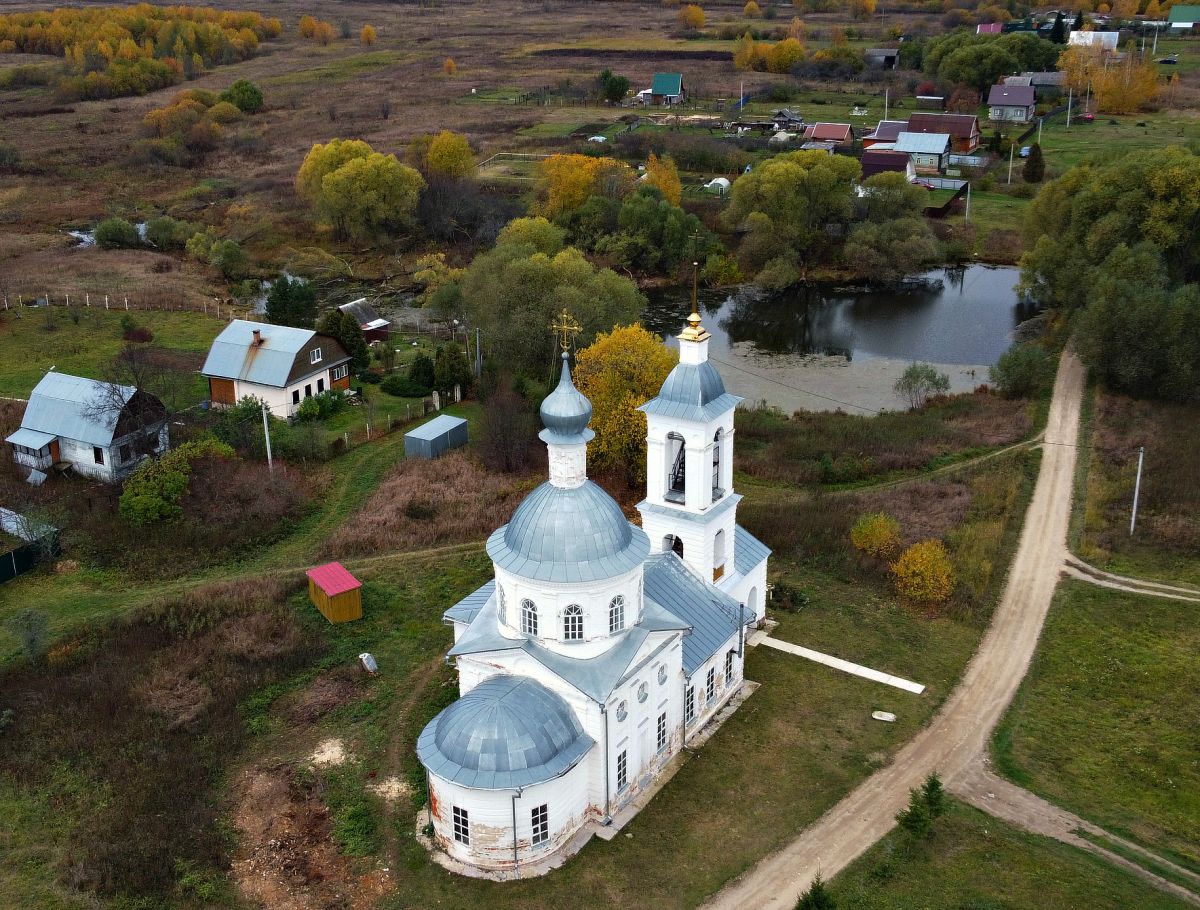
(541, 824)
(729, 666)
(710, 684)
(573, 623)
(717, 492)
(643, 692)
(662, 731)
(616, 614)
(677, 468)
(528, 617)
(622, 770)
(462, 826)
(689, 704)
(622, 712)
(662, 674)
(673, 544)
(719, 555)
(503, 604)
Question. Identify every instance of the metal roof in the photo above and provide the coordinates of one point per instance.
(677, 514)
(876, 160)
(234, 355)
(748, 551)
(667, 84)
(507, 732)
(364, 314)
(1011, 96)
(31, 439)
(1184, 13)
(922, 143)
(566, 412)
(333, 579)
(887, 130)
(961, 126)
(468, 608)
(62, 405)
(693, 391)
(440, 425)
(836, 132)
(712, 614)
(569, 535)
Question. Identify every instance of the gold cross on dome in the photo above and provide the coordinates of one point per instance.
(566, 328)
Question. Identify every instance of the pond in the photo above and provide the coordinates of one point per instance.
(821, 348)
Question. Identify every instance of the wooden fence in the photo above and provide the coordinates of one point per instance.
(216, 307)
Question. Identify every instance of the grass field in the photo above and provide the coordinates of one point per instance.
(975, 862)
(1100, 725)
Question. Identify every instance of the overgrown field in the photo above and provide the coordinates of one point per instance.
(1100, 725)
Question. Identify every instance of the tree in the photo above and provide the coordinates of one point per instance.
(934, 795)
(915, 818)
(229, 258)
(748, 54)
(449, 67)
(362, 193)
(153, 492)
(817, 897)
(918, 382)
(785, 54)
(876, 534)
(347, 331)
(536, 233)
(964, 100)
(567, 181)
(1023, 371)
(751, 10)
(292, 301)
(449, 155)
(31, 628)
(889, 196)
(978, 66)
(1035, 165)
(308, 26)
(451, 367)
(1058, 34)
(614, 88)
(323, 34)
(367, 36)
(889, 251)
(244, 95)
(691, 16)
(1077, 24)
(508, 428)
(422, 371)
(662, 173)
(325, 159)
(117, 233)
(620, 371)
(653, 235)
(862, 9)
(923, 573)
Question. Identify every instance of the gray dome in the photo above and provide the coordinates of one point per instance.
(692, 391)
(566, 412)
(507, 732)
(572, 534)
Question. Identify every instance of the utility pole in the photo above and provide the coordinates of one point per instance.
(1041, 120)
(1137, 489)
(1010, 161)
(1155, 49)
(967, 218)
(885, 103)
(1070, 95)
(267, 437)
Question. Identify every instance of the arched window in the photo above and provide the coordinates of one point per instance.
(717, 492)
(673, 544)
(676, 468)
(573, 623)
(528, 617)
(503, 604)
(616, 614)
(719, 555)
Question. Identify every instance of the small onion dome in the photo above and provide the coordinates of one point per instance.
(566, 413)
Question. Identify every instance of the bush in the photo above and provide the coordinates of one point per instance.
(165, 233)
(923, 573)
(117, 233)
(9, 156)
(320, 407)
(224, 112)
(877, 535)
(154, 491)
(32, 629)
(918, 382)
(1023, 371)
(404, 387)
(244, 95)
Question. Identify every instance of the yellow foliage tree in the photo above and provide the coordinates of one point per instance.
(568, 180)
(1154, 10)
(1124, 87)
(369, 197)
(432, 273)
(784, 54)
(691, 16)
(449, 155)
(1125, 9)
(923, 573)
(797, 29)
(877, 535)
(324, 33)
(325, 159)
(662, 173)
(308, 26)
(449, 67)
(862, 9)
(367, 36)
(751, 10)
(748, 54)
(619, 372)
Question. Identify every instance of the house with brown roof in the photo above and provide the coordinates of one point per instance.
(883, 161)
(1011, 103)
(829, 132)
(963, 129)
(885, 131)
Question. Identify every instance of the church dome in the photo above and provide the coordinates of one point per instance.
(566, 412)
(692, 391)
(574, 534)
(507, 732)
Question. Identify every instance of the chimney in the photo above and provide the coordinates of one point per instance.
(258, 339)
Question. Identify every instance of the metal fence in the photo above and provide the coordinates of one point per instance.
(969, 160)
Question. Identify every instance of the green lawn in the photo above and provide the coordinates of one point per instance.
(975, 862)
(1104, 723)
(1115, 135)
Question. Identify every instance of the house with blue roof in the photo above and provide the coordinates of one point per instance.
(599, 649)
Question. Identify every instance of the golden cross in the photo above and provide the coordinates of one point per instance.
(566, 328)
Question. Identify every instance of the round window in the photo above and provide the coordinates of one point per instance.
(643, 693)
(662, 675)
(622, 711)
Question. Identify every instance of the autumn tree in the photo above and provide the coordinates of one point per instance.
(1035, 165)
(323, 34)
(324, 159)
(923, 573)
(308, 26)
(876, 534)
(449, 155)
(691, 16)
(620, 371)
(784, 55)
(1125, 86)
(862, 9)
(662, 173)
(919, 382)
(449, 67)
(751, 10)
(536, 233)
(797, 29)
(568, 180)
(367, 36)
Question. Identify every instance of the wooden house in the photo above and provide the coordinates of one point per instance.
(963, 129)
(374, 327)
(1011, 103)
(335, 592)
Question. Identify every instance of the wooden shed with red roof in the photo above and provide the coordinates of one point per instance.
(335, 592)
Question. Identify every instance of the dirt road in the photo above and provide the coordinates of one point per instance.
(958, 735)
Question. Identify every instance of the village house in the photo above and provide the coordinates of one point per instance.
(374, 327)
(599, 650)
(1106, 41)
(1183, 17)
(883, 161)
(277, 364)
(838, 133)
(98, 429)
(963, 129)
(929, 151)
(665, 88)
(1011, 103)
(882, 57)
(787, 119)
(886, 131)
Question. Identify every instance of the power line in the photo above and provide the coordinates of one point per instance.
(795, 388)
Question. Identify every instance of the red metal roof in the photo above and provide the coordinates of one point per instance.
(960, 126)
(332, 578)
(834, 132)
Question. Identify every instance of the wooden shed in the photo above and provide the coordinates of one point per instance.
(335, 592)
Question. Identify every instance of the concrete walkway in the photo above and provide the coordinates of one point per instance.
(844, 665)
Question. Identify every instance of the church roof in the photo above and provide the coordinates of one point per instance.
(566, 412)
(509, 731)
(748, 551)
(574, 534)
(693, 391)
(712, 615)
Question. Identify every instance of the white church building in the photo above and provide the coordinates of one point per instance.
(600, 648)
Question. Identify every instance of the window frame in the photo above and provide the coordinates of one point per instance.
(98, 455)
(539, 821)
(340, 372)
(529, 617)
(710, 684)
(314, 356)
(616, 614)
(572, 626)
(729, 666)
(622, 770)
(689, 705)
(661, 737)
(461, 822)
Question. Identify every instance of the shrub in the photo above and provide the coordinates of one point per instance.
(916, 818)
(918, 382)
(404, 387)
(224, 112)
(32, 630)
(877, 535)
(116, 233)
(154, 491)
(923, 573)
(421, 371)
(244, 95)
(9, 156)
(165, 233)
(1023, 371)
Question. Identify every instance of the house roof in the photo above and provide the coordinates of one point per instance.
(333, 579)
(878, 161)
(1049, 78)
(887, 130)
(786, 113)
(960, 126)
(712, 615)
(31, 439)
(1018, 80)
(989, 28)
(441, 424)
(364, 313)
(748, 550)
(832, 132)
(882, 52)
(69, 407)
(922, 143)
(234, 355)
(667, 84)
(1011, 96)
(1185, 13)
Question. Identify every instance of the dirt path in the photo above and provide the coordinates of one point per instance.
(1077, 568)
(958, 735)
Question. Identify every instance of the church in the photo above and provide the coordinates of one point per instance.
(600, 648)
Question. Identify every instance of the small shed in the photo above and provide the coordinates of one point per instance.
(335, 592)
(435, 438)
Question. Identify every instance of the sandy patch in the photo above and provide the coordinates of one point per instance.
(329, 754)
(390, 789)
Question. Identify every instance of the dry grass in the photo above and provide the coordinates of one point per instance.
(428, 503)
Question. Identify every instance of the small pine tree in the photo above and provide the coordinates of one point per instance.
(350, 335)
(934, 795)
(1035, 165)
(916, 818)
(817, 897)
(1058, 34)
